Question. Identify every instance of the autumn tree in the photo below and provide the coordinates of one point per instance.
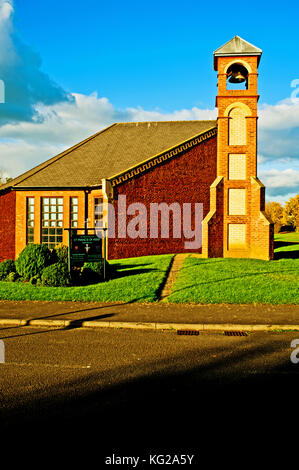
(291, 212)
(274, 212)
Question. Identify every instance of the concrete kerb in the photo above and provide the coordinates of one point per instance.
(147, 325)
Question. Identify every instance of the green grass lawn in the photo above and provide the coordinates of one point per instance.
(242, 280)
(199, 281)
(135, 280)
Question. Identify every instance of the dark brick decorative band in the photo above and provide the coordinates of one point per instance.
(162, 158)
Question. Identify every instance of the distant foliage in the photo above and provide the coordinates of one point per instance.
(274, 212)
(33, 260)
(284, 218)
(6, 268)
(291, 212)
(56, 275)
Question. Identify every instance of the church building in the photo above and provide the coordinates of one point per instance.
(211, 163)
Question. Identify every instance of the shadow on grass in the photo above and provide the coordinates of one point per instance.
(280, 244)
(219, 409)
(286, 254)
(130, 272)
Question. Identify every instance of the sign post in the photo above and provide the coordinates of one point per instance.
(86, 248)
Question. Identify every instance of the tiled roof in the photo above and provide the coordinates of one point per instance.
(110, 152)
(236, 47)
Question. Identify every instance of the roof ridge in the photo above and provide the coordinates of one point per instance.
(50, 161)
(170, 121)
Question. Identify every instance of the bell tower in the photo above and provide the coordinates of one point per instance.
(236, 225)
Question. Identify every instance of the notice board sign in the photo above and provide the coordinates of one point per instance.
(85, 249)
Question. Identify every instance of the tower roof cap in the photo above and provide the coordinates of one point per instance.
(236, 47)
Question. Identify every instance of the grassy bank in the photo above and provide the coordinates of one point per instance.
(242, 280)
(237, 281)
(135, 280)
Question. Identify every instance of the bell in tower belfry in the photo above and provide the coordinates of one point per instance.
(236, 73)
(237, 195)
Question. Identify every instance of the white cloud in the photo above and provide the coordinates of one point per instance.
(6, 10)
(280, 184)
(20, 69)
(61, 125)
(281, 116)
(26, 144)
(39, 119)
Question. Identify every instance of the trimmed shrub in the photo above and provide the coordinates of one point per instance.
(56, 275)
(6, 267)
(60, 253)
(32, 260)
(93, 273)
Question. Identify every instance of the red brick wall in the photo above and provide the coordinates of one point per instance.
(7, 225)
(184, 179)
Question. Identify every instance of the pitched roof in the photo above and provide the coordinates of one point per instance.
(236, 46)
(110, 152)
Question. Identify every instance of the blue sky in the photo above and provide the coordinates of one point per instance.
(157, 54)
(74, 67)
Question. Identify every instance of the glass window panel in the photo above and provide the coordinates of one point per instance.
(52, 226)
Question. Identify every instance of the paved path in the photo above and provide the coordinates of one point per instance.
(177, 263)
(159, 312)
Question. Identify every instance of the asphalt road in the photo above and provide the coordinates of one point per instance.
(81, 395)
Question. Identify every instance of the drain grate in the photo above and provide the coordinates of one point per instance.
(235, 333)
(188, 332)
